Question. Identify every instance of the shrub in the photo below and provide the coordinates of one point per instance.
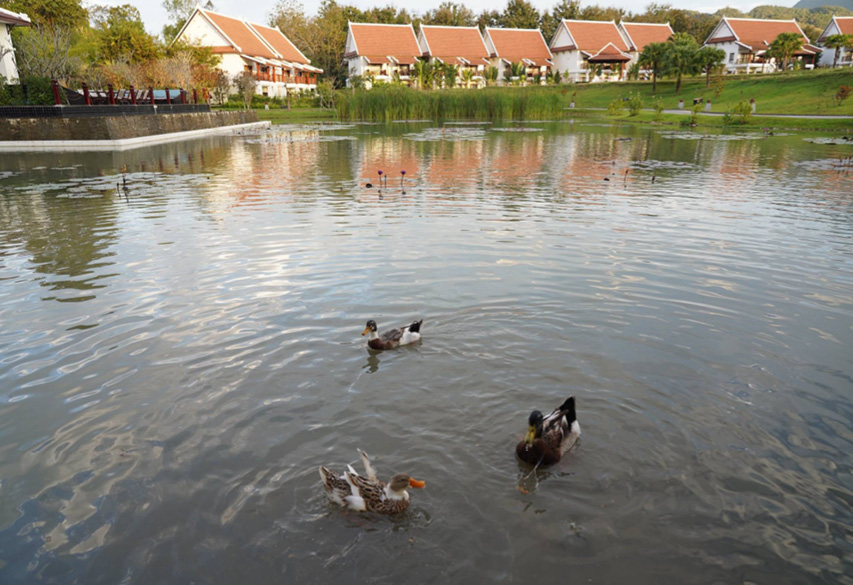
(635, 104)
(615, 107)
(740, 113)
(658, 107)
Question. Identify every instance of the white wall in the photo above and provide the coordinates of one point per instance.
(7, 63)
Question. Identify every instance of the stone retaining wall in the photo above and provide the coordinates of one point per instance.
(117, 127)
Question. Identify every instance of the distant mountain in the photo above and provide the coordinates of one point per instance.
(848, 4)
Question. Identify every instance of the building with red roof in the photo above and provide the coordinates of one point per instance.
(381, 52)
(746, 40)
(590, 50)
(265, 52)
(461, 46)
(839, 25)
(507, 46)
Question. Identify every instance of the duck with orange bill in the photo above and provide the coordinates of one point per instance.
(367, 493)
(393, 337)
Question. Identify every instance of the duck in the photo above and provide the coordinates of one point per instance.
(549, 437)
(362, 493)
(392, 338)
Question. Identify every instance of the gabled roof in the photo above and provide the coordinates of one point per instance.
(385, 40)
(14, 18)
(450, 43)
(843, 23)
(516, 44)
(755, 34)
(641, 34)
(591, 36)
(240, 34)
(282, 45)
(608, 54)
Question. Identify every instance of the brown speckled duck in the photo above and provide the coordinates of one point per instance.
(361, 493)
(394, 337)
(549, 437)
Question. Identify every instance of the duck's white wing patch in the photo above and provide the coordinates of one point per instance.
(368, 468)
(409, 337)
(354, 500)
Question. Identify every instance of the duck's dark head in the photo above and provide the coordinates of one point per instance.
(371, 326)
(534, 428)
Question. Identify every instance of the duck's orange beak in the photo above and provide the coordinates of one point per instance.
(366, 331)
(415, 483)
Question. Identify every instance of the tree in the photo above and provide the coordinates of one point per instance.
(121, 33)
(450, 14)
(449, 71)
(424, 73)
(837, 42)
(179, 11)
(246, 84)
(221, 87)
(520, 14)
(44, 52)
(679, 57)
(652, 58)
(491, 75)
(709, 59)
(568, 9)
(53, 14)
(784, 46)
(518, 72)
(467, 77)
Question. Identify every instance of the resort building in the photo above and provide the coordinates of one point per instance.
(8, 20)
(508, 46)
(590, 50)
(746, 40)
(462, 46)
(265, 52)
(839, 25)
(640, 34)
(381, 52)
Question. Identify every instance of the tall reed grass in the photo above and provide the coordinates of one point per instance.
(383, 104)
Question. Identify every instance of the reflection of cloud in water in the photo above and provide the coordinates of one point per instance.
(516, 129)
(675, 135)
(825, 164)
(450, 134)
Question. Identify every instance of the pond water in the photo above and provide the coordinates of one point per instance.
(177, 356)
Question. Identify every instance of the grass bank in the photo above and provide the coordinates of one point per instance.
(800, 92)
(705, 121)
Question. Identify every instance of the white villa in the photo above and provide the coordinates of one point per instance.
(745, 41)
(381, 52)
(583, 46)
(519, 45)
(265, 52)
(461, 46)
(9, 19)
(839, 25)
(640, 34)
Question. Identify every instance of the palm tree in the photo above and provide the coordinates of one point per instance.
(709, 59)
(680, 57)
(784, 46)
(652, 58)
(425, 73)
(519, 72)
(837, 42)
(449, 72)
(467, 77)
(491, 75)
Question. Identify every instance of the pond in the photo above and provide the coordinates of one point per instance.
(180, 350)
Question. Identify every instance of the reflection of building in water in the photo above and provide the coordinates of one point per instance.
(515, 159)
(455, 165)
(389, 155)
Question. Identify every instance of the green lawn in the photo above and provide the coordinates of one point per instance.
(797, 92)
(843, 126)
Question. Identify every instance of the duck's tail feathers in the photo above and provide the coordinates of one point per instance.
(568, 409)
(368, 468)
(415, 327)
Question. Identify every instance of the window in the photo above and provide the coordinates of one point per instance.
(731, 57)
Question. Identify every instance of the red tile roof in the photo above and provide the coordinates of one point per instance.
(396, 40)
(281, 44)
(845, 23)
(449, 42)
(240, 34)
(609, 54)
(591, 36)
(641, 34)
(758, 34)
(515, 44)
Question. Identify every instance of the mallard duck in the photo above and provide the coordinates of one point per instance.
(549, 437)
(394, 337)
(361, 493)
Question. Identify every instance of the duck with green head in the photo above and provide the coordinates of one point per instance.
(548, 437)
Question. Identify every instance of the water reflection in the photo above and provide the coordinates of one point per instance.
(167, 425)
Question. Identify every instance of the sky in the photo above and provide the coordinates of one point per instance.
(154, 15)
